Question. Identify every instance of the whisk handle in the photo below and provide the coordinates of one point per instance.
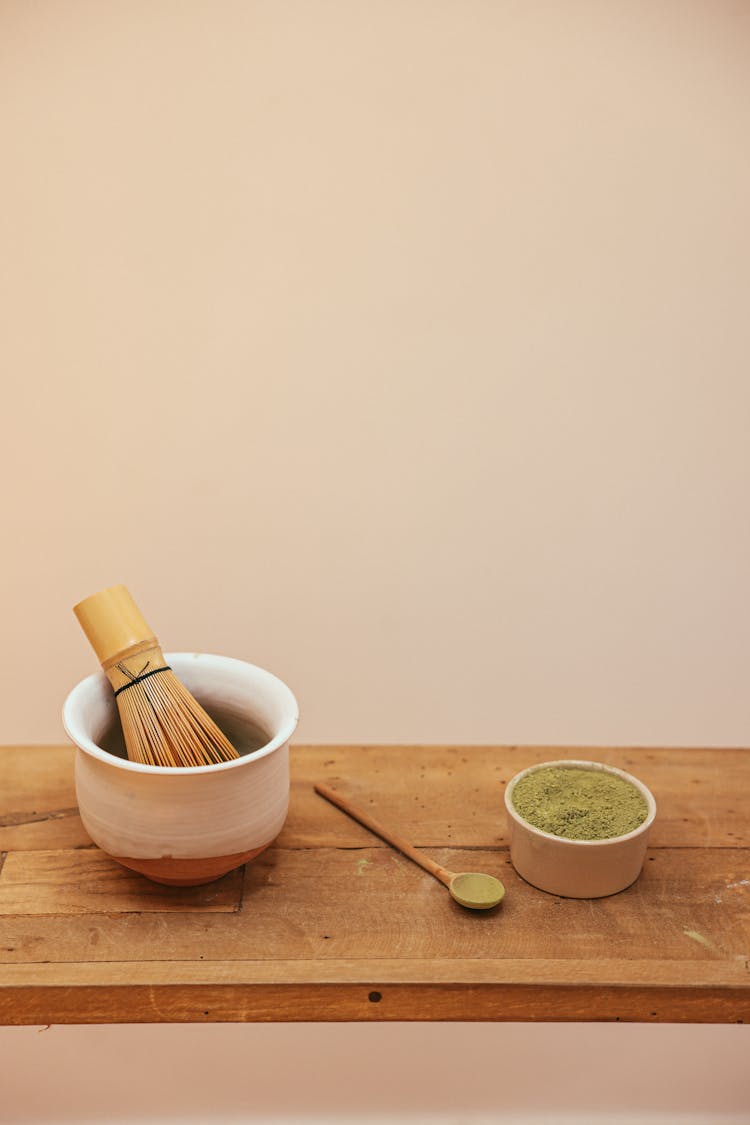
(114, 624)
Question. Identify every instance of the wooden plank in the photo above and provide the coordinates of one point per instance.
(454, 795)
(372, 1001)
(333, 904)
(38, 807)
(34, 778)
(393, 970)
(50, 831)
(435, 795)
(37, 799)
(332, 924)
(460, 989)
(88, 882)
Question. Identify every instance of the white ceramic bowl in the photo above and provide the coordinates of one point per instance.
(577, 868)
(191, 825)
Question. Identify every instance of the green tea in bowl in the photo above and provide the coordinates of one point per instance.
(578, 829)
(580, 804)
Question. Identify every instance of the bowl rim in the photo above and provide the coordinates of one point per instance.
(88, 746)
(580, 763)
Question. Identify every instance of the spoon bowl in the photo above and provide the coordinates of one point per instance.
(476, 890)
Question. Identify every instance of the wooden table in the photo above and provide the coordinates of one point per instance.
(331, 924)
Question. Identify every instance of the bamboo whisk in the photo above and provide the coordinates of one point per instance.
(163, 724)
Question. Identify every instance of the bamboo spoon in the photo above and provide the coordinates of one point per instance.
(468, 888)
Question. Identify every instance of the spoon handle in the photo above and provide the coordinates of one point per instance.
(375, 826)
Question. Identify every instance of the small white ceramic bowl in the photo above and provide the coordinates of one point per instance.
(577, 868)
(187, 825)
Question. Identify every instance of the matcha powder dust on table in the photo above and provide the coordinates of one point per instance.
(579, 804)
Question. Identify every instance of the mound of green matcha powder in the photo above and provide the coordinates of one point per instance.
(579, 804)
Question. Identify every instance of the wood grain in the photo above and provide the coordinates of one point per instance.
(330, 904)
(59, 828)
(393, 970)
(38, 807)
(532, 1002)
(88, 882)
(435, 795)
(454, 795)
(331, 916)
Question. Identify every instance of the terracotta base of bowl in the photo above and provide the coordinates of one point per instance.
(188, 872)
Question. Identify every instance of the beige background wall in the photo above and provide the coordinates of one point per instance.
(398, 347)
